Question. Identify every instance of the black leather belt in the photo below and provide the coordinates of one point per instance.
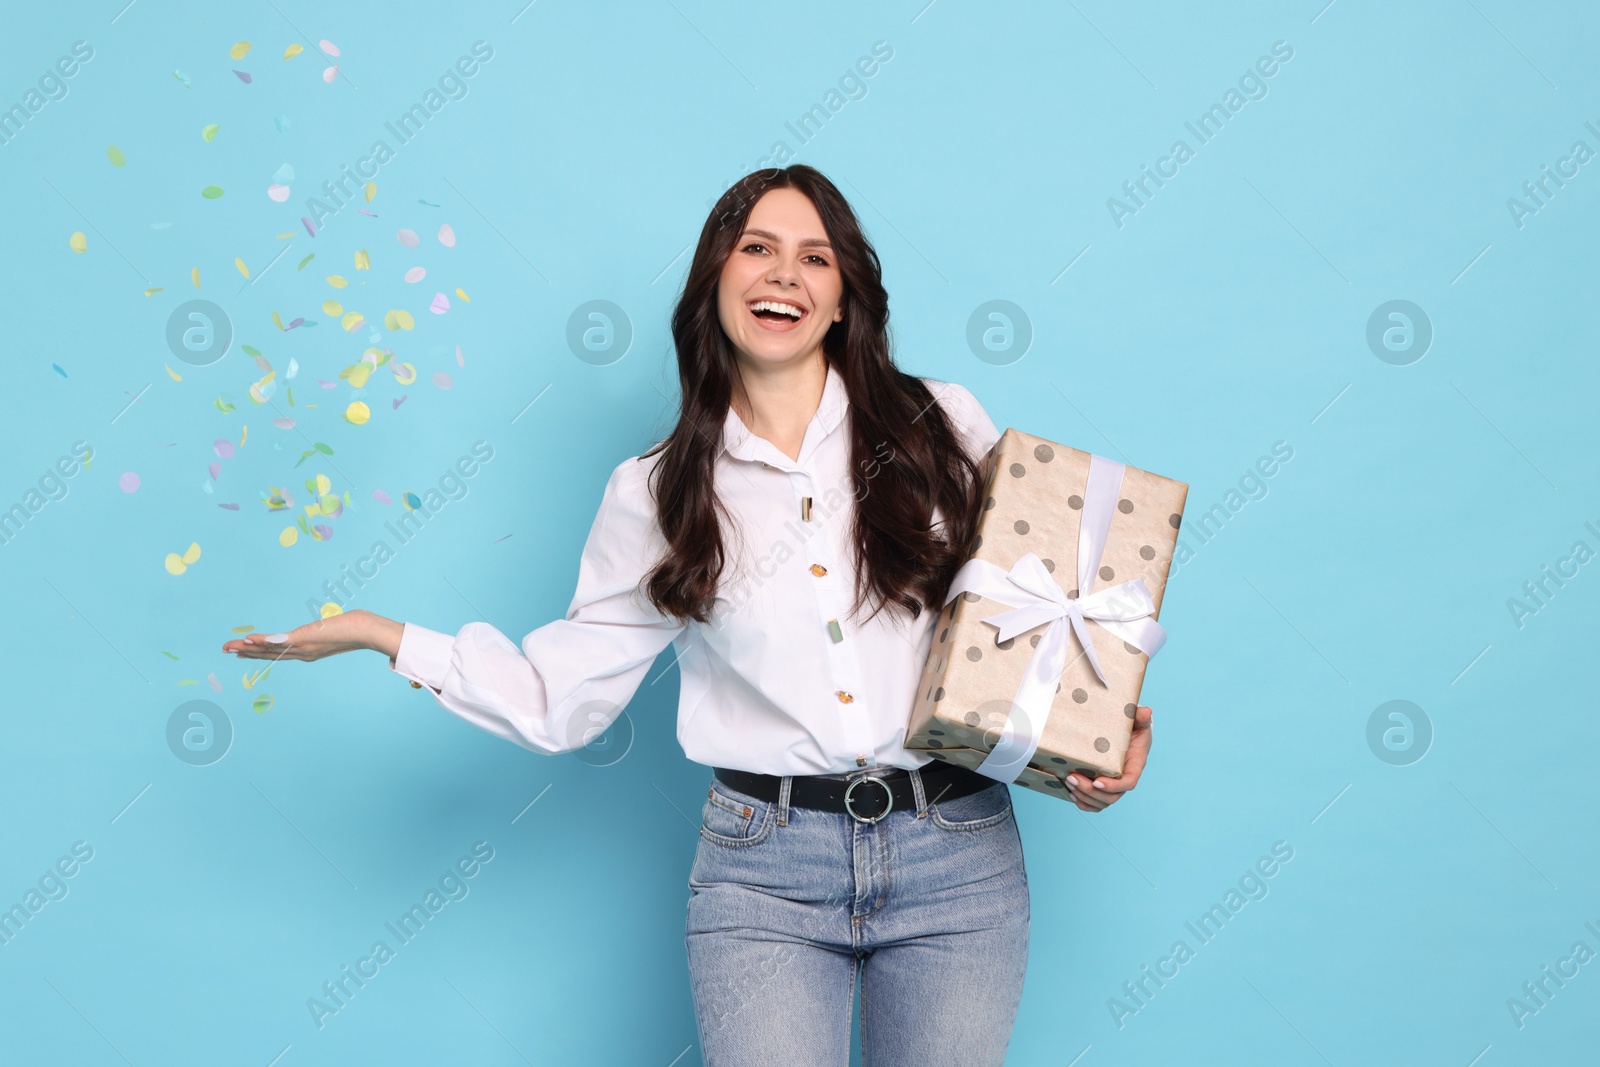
(866, 797)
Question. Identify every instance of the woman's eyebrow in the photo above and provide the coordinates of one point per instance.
(810, 242)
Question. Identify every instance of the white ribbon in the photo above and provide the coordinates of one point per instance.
(1036, 599)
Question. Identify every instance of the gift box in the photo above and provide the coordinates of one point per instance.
(1039, 652)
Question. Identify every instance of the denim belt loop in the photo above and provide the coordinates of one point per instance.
(917, 792)
(783, 800)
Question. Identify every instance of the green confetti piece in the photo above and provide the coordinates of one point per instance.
(208, 132)
(261, 703)
(115, 155)
(308, 259)
(167, 654)
(211, 192)
(252, 352)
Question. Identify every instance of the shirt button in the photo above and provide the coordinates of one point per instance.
(818, 569)
(416, 685)
(844, 697)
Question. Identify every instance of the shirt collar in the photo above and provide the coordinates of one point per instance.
(742, 444)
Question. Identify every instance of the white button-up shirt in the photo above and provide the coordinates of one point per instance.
(778, 681)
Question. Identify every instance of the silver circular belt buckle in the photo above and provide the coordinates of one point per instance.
(888, 795)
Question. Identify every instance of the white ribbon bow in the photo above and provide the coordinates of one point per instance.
(1035, 598)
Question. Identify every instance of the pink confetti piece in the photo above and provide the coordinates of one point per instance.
(243, 77)
(230, 507)
(277, 192)
(408, 238)
(324, 529)
(461, 361)
(283, 423)
(447, 236)
(442, 380)
(129, 482)
(440, 305)
(327, 384)
(215, 685)
(223, 447)
(215, 468)
(380, 496)
(328, 47)
(329, 74)
(364, 211)
(415, 274)
(310, 226)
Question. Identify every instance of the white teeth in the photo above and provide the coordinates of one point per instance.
(773, 305)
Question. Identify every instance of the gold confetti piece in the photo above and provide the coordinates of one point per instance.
(153, 292)
(363, 261)
(115, 155)
(464, 296)
(289, 536)
(398, 320)
(405, 374)
(194, 276)
(283, 236)
(358, 413)
(237, 262)
(371, 191)
(324, 485)
(208, 132)
(351, 320)
(277, 320)
(78, 242)
(174, 374)
(330, 609)
(336, 281)
(177, 564)
(357, 374)
(244, 435)
(292, 51)
(240, 50)
(332, 307)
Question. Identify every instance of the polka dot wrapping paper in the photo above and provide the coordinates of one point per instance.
(1033, 502)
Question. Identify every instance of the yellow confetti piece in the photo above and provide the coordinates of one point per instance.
(405, 374)
(292, 51)
(330, 609)
(363, 261)
(209, 132)
(115, 155)
(357, 374)
(177, 564)
(332, 307)
(237, 262)
(324, 485)
(173, 374)
(78, 242)
(398, 320)
(358, 413)
(277, 320)
(351, 320)
(240, 50)
(289, 536)
(244, 435)
(336, 281)
(153, 292)
(194, 276)
(464, 296)
(371, 191)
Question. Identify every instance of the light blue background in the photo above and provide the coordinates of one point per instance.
(1228, 314)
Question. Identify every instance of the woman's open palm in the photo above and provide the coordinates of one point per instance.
(315, 640)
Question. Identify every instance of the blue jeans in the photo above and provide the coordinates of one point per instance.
(788, 905)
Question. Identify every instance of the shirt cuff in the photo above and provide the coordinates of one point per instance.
(423, 656)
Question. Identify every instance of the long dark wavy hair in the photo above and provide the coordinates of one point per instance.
(905, 454)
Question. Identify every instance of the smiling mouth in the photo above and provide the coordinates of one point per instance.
(778, 316)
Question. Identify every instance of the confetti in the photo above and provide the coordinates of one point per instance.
(209, 133)
(380, 496)
(398, 320)
(281, 122)
(177, 564)
(292, 51)
(211, 192)
(289, 536)
(237, 262)
(244, 77)
(59, 371)
(461, 361)
(240, 50)
(277, 320)
(358, 413)
(115, 155)
(157, 289)
(262, 704)
(336, 281)
(280, 193)
(404, 374)
(415, 274)
(215, 685)
(371, 191)
(182, 77)
(440, 305)
(308, 259)
(441, 380)
(223, 448)
(363, 261)
(78, 242)
(447, 236)
(408, 238)
(463, 296)
(284, 173)
(330, 609)
(351, 321)
(329, 74)
(328, 47)
(194, 276)
(332, 307)
(310, 226)
(429, 203)
(174, 375)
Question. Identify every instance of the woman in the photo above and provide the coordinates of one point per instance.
(793, 538)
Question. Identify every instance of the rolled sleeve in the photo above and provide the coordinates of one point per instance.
(571, 677)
